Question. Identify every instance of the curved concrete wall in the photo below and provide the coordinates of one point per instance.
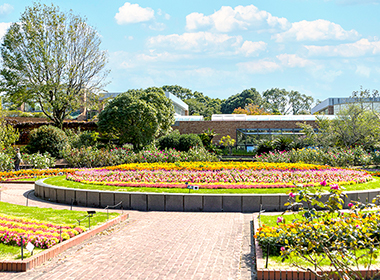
(192, 202)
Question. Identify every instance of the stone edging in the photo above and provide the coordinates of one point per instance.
(38, 259)
(192, 202)
(288, 273)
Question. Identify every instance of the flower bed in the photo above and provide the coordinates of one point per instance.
(41, 234)
(218, 175)
(32, 173)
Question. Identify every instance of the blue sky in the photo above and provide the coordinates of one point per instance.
(322, 48)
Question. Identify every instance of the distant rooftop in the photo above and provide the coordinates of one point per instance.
(243, 117)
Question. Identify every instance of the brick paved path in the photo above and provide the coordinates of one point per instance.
(151, 245)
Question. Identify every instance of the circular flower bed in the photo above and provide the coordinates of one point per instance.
(218, 175)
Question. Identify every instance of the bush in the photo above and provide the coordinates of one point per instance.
(187, 141)
(170, 141)
(199, 154)
(49, 139)
(39, 161)
(6, 162)
(332, 156)
(78, 139)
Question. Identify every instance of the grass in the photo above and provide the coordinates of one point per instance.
(62, 182)
(48, 215)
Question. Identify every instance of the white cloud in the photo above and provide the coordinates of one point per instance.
(250, 48)
(316, 30)
(359, 48)
(239, 18)
(6, 9)
(196, 42)
(3, 28)
(292, 60)
(158, 26)
(363, 70)
(213, 43)
(258, 67)
(133, 13)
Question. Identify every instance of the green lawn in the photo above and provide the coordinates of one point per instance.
(45, 214)
(62, 182)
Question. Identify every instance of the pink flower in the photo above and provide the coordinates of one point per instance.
(292, 195)
(323, 183)
(282, 249)
(335, 187)
(280, 219)
(350, 205)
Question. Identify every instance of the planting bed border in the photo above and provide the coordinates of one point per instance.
(192, 202)
(288, 273)
(40, 258)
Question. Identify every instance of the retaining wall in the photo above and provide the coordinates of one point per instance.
(191, 202)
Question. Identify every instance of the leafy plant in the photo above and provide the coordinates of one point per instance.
(49, 139)
(319, 236)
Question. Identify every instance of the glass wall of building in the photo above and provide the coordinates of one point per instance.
(248, 138)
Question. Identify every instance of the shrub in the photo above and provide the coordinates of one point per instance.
(186, 141)
(170, 141)
(199, 154)
(39, 161)
(49, 139)
(6, 162)
(331, 156)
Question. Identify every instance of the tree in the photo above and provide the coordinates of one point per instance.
(247, 96)
(199, 104)
(251, 109)
(137, 116)
(8, 134)
(277, 100)
(51, 58)
(353, 126)
(283, 102)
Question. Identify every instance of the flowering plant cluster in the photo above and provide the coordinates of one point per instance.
(39, 161)
(32, 173)
(92, 157)
(333, 156)
(319, 236)
(41, 234)
(217, 175)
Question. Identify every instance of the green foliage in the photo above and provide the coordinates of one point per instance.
(6, 161)
(52, 58)
(247, 96)
(18, 113)
(49, 139)
(137, 117)
(323, 156)
(280, 101)
(180, 142)
(320, 236)
(199, 104)
(187, 141)
(8, 135)
(169, 141)
(39, 161)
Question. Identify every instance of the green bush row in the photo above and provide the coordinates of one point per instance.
(338, 157)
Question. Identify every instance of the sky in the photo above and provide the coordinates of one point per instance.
(321, 48)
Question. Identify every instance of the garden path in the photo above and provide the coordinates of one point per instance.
(150, 245)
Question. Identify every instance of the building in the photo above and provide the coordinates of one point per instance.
(331, 106)
(248, 129)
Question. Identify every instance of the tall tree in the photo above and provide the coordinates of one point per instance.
(283, 102)
(51, 58)
(199, 104)
(277, 100)
(247, 96)
(137, 116)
